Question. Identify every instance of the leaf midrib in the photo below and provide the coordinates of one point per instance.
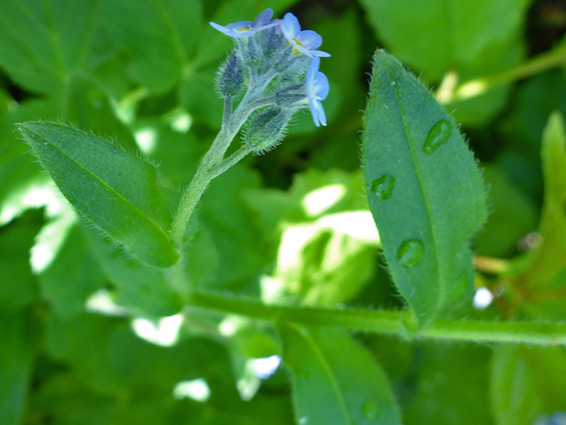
(326, 367)
(441, 294)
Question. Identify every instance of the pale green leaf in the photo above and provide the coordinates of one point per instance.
(527, 382)
(548, 258)
(335, 380)
(438, 35)
(113, 189)
(424, 189)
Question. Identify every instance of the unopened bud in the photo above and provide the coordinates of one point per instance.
(266, 129)
(230, 76)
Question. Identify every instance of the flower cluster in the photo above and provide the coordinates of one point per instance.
(273, 71)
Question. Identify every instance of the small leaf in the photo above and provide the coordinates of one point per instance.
(526, 383)
(548, 258)
(335, 380)
(424, 189)
(113, 189)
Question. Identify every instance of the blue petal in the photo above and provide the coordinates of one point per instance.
(290, 26)
(320, 53)
(310, 39)
(263, 18)
(312, 70)
(321, 84)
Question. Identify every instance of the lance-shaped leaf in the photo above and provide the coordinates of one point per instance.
(424, 190)
(335, 380)
(115, 190)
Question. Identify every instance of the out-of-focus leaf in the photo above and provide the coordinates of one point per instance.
(424, 189)
(16, 361)
(536, 99)
(140, 288)
(241, 255)
(335, 380)
(73, 275)
(454, 377)
(550, 256)
(511, 215)
(115, 190)
(527, 382)
(81, 341)
(57, 40)
(158, 35)
(436, 36)
(17, 284)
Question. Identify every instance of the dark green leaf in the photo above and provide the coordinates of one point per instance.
(115, 190)
(424, 189)
(16, 361)
(56, 42)
(72, 276)
(159, 36)
(335, 380)
(17, 284)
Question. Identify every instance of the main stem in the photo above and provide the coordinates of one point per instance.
(388, 322)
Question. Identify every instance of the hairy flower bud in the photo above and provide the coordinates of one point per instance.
(266, 129)
(230, 76)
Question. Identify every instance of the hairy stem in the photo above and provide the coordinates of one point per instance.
(388, 322)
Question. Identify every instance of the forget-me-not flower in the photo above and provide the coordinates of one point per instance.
(306, 41)
(317, 90)
(247, 28)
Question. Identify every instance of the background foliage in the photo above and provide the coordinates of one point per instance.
(82, 334)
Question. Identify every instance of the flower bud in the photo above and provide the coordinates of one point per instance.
(230, 76)
(266, 129)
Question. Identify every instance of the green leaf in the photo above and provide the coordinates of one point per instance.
(435, 36)
(16, 361)
(113, 189)
(72, 276)
(335, 380)
(17, 284)
(56, 43)
(548, 258)
(424, 189)
(158, 35)
(527, 382)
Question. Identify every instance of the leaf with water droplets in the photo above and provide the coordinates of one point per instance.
(335, 380)
(438, 200)
(111, 188)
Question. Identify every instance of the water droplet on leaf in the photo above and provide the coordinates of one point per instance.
(371, 410)
(437, 136)
(410, 252)
(383, 186)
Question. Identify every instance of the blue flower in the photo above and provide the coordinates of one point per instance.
(317, 90)
(305, 41)
(247, 28)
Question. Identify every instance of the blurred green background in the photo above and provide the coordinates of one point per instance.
(90, 337)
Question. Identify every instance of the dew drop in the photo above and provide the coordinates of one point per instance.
(370, 409)
(410, 252)
(383, 186)
(437, 136)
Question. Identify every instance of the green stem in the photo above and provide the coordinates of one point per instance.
(542, 62)
(388, 322)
